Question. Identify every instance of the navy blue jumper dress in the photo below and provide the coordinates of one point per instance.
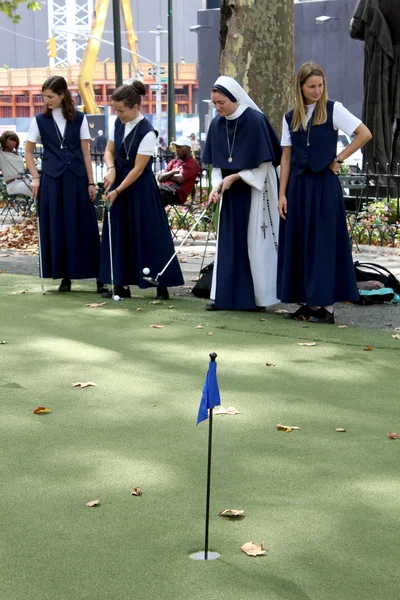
(255, 142)
(69, 234)
(315, 265)
(139, 225)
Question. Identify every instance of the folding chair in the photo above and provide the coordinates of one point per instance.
(12, 204)
(356, 184)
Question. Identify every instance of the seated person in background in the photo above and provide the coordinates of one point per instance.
(12, 166)
(195, 143)
(178, 179)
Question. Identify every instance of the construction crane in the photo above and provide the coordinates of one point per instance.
(88, 64)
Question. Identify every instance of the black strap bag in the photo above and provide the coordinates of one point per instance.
(374, 272)
(202, 289)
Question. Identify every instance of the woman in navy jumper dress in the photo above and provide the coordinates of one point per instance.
(139, 226)
(315, 266)
(69, 234)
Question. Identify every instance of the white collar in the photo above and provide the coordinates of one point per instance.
(57, 111)
(135, 121)
(239, 111)
(310, 107)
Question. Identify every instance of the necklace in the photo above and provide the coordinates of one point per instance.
(266, 203)
(60, 139)
(130, 145)
(230, 148)
(308, 130)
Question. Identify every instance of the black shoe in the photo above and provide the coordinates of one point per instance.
(322, 316)
(162, 293)
(211, 306)
(301, 314)
(122, 292)
(101, 287)
(65, 285)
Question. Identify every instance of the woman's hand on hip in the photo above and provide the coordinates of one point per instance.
(282, 207)
(335, 167)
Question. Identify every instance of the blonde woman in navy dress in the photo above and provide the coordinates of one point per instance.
(315, 266)
(69, 234)
(139, 226)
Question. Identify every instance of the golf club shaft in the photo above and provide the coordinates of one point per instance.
(40, 249)
(111, 252)
(184, 240)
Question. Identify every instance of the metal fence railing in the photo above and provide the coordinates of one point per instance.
(372, 204)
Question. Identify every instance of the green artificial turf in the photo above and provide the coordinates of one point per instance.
(325, 504)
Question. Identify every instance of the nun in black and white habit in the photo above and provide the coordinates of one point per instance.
(244, 152)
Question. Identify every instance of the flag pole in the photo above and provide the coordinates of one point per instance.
(209, 399)
(213, 356)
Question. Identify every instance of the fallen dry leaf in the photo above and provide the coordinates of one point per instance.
(96, 304)
(3, 342)
(41, 410)
(260, 319)
(396, 336)
(21, 237)
(1, 271)
(199, 327)
(252, 549)
(226, 411)
(392, 435)
(181, 260)
(231, 512)
(20, 292)
(368, 348)
(4, 255)
(397, 328)
(155, 302)
(93, 503)
(270, 364)
(281, 311)
(156, 326)
(172, 306)
(287, 428)
(306, 343)
(194, 279)
(305, 326)
(209, 333)
(342, 326)
(136, 491)
(84, 384)
(340, 429)
(139, 309)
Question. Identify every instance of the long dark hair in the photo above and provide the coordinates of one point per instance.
(9, 135)
(130, 94)
(59, 86)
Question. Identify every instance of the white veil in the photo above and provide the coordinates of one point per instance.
(237, 91)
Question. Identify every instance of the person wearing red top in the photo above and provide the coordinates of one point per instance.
(179, 177)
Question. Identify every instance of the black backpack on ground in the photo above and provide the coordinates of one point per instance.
(374, 272)
(202, 289)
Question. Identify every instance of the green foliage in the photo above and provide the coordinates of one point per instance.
(10, 8)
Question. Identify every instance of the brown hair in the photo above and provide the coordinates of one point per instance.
(130, 94)
(59, 86)
(308, 69)
(9, 135)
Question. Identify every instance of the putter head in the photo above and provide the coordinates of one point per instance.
(151, 280)
(108, 294)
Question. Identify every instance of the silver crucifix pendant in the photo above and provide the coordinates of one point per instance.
(264, 227)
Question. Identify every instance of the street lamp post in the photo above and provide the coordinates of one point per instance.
(171, 82)
(117, 42)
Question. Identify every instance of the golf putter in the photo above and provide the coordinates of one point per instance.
(154, 281)
(111, 293)
(40, 250)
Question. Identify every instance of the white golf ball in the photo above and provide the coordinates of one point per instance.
(116, 298)
(146, 271)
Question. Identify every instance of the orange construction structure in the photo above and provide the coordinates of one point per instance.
(20, 89)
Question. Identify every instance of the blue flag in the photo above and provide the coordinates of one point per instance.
(210, 397)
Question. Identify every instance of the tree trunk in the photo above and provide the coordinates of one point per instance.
(257, 49)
